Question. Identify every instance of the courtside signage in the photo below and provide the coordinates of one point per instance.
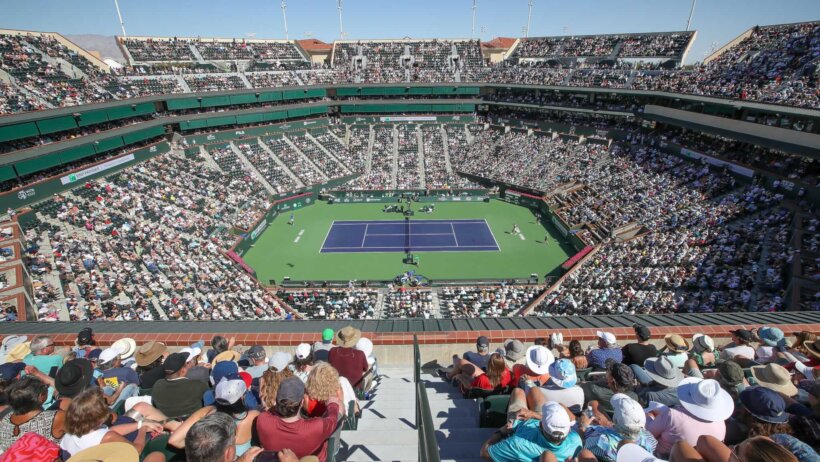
(77, 176)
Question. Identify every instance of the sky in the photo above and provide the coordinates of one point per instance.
(717, 21)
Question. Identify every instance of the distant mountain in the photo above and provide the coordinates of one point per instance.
(106, 45)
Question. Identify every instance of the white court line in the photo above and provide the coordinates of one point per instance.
(326, 236)
(418, 234)
(413, 246)
(493, 235)
(364, 236)
(454, 233)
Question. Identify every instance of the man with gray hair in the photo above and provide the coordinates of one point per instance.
(213, 439)
(43, 357)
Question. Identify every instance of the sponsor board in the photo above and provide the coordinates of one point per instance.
(259, 228)
(747, 172)
(77, 176)
(408, 119)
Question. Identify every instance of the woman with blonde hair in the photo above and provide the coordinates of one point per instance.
(85, 424)
(323, 383)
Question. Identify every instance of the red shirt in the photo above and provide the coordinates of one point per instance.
(350, 362)
(305, 437)
(483, 382)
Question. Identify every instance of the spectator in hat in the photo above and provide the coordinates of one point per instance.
(631, 452)
(119, 383)
(196, 369)
(534, 371)
(322, 349)
(85, 424)
(728, 374)
(213, 439)
(228, 355)
(350, 362)
(514, 353)
(531, 438)
(303, 361)
(471, 362)
(627, 424)
(284, 427)
(775, 377)
(10, 371)
(607, 349)
(704, 408)
(799, 348)
(703, 351)
(226, 369)
(562, 387)
(677, 349)
(42, 355)
(664, 378)
(149, 358)
(230, 395)
(127, 347)
(365, 345)
(26, 396)
(85, 342)
(280, 360)
(619, 379)
(176, 395)
(762, 413)
(9, 342)
(638, 352)
(258, 361)
(772, 343)
(18, 353)
(741, 346)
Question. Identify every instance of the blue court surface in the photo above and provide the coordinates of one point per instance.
(412, 236)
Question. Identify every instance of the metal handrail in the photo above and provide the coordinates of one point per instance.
(428, 446)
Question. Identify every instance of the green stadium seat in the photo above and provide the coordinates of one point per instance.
(492, 411)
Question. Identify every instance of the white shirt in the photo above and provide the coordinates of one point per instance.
(74, 444)
(739, 350)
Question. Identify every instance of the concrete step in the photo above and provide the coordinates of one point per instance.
(386, 424)
(407, 403)
(464, 434)
(375, 414)
(455, 422)
(456, 412)
(376, 452)
(405, 437)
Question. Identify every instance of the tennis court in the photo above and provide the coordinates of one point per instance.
(409, 236)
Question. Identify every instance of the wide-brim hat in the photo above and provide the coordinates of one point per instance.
(9, 342)
(74, 377)
(813, 348)
(514, 349)
(631, 452)
(228, 355)
(676, 342)
(107, 452)
(663, 371)
(539, 359)
(18, 352)
(705, 399)
(348, 336)
(127, 347)
(149, 352)
(774, 377)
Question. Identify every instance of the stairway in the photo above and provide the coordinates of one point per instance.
(387, 429)
(456, 420)
(420, 164)
(394, 152)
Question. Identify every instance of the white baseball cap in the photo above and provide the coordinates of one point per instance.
(365, 346)
(554, 419)
(230, 390)
(109, 354)
(192, 352)
(627, 412)
(608, 337)
(280, 360)
(539, 359)
(631, 452)
(302, 350)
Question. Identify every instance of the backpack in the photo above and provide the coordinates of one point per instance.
(31, 447)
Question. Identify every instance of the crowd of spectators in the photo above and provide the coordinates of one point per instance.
(486, 302)
(625, 401)
(128, 401)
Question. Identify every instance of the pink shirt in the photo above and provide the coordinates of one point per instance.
(676, 424)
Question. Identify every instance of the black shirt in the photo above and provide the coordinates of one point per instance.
(150, 377)
(635, 353)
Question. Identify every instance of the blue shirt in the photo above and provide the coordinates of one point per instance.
(527, 444)
(597, 358)
(114, 377)
(251, 403)
(480, 361)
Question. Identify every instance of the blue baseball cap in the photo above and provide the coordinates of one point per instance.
(562, 373)
(10, 371)
(766, 405)
(223, 369)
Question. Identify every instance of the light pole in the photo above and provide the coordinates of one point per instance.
(341, 27)
(285, 17)
(691, 13)
(529, 16)
(472, 34)
(119, 15)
